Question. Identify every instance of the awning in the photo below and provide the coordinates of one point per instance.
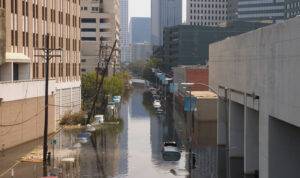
(17, 58)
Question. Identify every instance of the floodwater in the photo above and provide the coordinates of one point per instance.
(133, 147)
(135, 150)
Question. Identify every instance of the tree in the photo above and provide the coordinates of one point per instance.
(114, 85)
(88, 88)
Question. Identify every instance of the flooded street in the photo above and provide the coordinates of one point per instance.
(133, 147)
(135, 150)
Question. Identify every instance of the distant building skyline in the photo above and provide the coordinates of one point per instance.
(164, 13)
(124, 36)
(210, 12)
(141, 51)
(140, 30)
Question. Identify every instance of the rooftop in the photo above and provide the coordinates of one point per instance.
(204, 94)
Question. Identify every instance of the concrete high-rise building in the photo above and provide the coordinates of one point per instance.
(140, 30)
(124, 37)
(23, 28)
(164, 13)
(141, 51)
(210, 12)
(99, 19)
(265, 10)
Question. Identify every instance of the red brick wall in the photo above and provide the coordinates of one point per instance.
(197, 76)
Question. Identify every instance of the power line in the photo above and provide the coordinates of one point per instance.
(20, 123)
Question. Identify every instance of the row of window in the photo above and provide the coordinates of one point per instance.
(193, 4)
(93, 9)
(209, 12)
(94, 38)
(94, 30)
(52, 41)
(52, 70)
(93, 20)
(207, 17)
(204, 23)
(212, 6)
(35, 12)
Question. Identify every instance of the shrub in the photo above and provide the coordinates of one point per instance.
(73, 119)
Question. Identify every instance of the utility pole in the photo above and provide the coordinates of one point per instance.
(100, 84)
(47, 56)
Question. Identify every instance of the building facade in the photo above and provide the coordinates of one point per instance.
(191, 74)
(266, 10)
(188, 44)
(141, 51)
(164, 13)
(24, 26)
(99, 19)
(210, 12)
(124, 31)
(256, 75)
(140, 30)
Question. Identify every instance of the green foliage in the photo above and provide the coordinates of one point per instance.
(147, 72)
(113, 85)
(88, 89)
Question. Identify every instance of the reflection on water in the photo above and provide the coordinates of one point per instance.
(135, 151)
(133, 147)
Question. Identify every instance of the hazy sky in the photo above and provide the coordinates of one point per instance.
(141, 8)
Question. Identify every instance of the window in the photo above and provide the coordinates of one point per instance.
(88, 30)
(88, 38)
(88, 20)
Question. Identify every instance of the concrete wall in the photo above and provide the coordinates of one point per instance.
(284, 146)
(30, 112)
(260, 70)
(206, 109)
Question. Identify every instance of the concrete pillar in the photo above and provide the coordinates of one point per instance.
(222, 122)
(263, 143)
(284, 149)
(236, 130)
(251, 144)
(236, 139)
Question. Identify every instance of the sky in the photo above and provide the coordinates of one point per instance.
(142, 8)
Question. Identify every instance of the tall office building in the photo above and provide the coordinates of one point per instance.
(266, 10)
(99, 19)
(124, 37)
(210, 12)
(141, 51)
(140, 30)
(164, 13)
(23, 28)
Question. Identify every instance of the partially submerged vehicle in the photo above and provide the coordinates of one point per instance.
(170, 151)
(83, 137)
(156, 104)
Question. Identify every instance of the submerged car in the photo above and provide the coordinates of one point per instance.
(159, 111)
(156, 104)
(170, 151)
